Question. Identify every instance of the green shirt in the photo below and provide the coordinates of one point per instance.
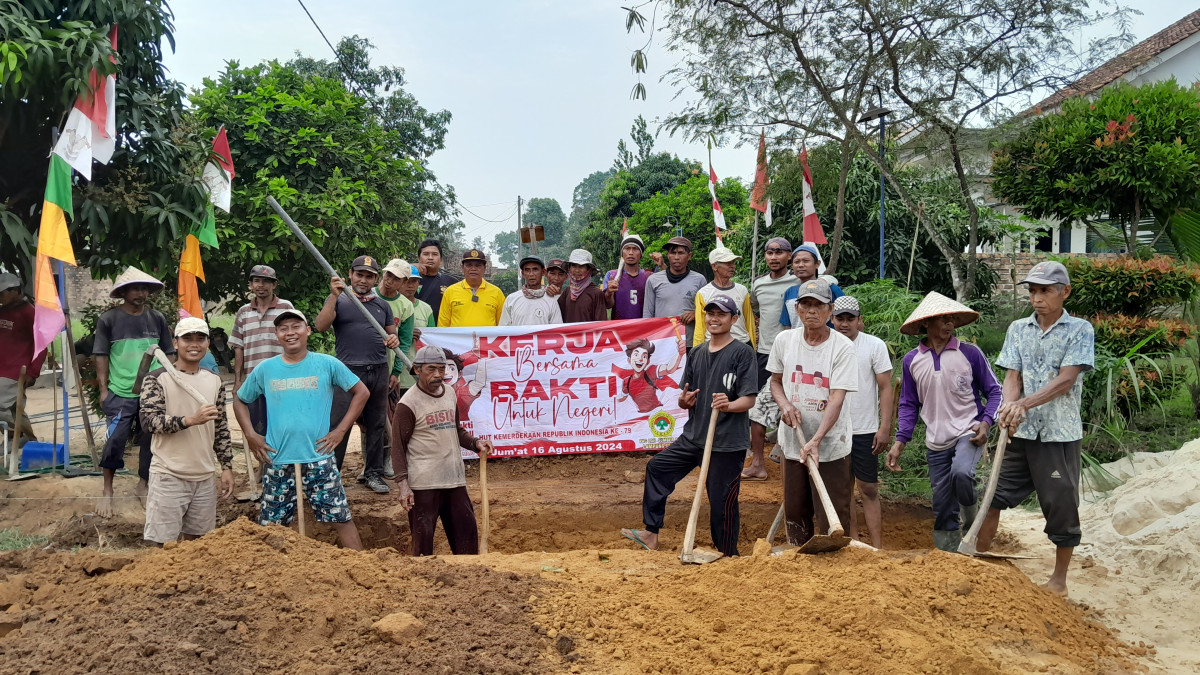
(422, 318)
(402, 312)
(124, 338)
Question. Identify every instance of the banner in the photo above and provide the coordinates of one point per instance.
(603, 386)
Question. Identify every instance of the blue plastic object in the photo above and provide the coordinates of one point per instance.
(37, 455)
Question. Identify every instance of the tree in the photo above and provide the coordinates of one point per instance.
(546, 212)
(947, 67)
(642, 139)
(506, 246)
(1130, 152)
(149, 195)
(325, 154)
(586, 195)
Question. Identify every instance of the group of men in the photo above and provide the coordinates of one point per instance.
(790, 353)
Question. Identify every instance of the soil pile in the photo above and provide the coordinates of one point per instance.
(849, 612)
(247, 599)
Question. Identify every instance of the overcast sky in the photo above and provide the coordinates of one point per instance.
(539, 89)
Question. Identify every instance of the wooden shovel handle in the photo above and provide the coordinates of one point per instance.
(814, 472)
(299, 499)
(689, 536)
(487, 516)
(990, 492)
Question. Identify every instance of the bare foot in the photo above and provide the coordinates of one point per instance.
(755, 471)
(647, 539)
(1057, 587)
(141, 489)
(104, 505)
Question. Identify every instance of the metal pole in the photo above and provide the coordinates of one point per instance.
(83, 406)
(882, 187)
(330, 271)
(754, 249)
(66, 396)
(520, 225)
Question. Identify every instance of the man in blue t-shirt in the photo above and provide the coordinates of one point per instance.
(299, 388)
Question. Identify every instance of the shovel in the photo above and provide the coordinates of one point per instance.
(968, 544)
(690, 554)
(487, 516)
(835, 539)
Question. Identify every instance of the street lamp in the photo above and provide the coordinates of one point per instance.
(678, 227)
(880, 113)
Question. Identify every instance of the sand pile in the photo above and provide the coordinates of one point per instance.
(1149, 528)
(849, 612)
(248, 599)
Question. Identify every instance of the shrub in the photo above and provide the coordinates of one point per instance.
(1128, 285)
(1123, 383)
(886, 305)
(1119, 333)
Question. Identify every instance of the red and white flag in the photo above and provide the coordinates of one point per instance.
(218, 174)
(625, 229)
(91, 128)
(812, 224)
(718, 215)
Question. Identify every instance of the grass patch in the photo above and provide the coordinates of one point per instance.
(11, 539)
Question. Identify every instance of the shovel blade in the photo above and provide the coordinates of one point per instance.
(967, 547)
(700, 556)
(823, 543)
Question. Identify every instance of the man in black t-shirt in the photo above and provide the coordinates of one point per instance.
(720, 375)
(433, 282)
(358, 345)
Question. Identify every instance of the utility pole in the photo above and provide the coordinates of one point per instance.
(519, 226)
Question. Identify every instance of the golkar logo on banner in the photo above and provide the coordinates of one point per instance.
(609, 386)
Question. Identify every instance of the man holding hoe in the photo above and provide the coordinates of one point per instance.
(427, 433)
(299, 386)
(190, 438)
(1045, 356)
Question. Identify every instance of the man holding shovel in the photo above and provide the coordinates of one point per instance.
(189, 439)
(947, 382)
(432, 481)
(299, 386)
(812, 370)
(1045, 356)
(724, 373)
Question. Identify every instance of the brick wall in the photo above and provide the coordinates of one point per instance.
(83, 290)
(1011, 268)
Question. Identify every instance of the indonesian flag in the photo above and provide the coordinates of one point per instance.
(625, 229)
(812, 224)
(54, 242)
(218, 173)
(91, 128)
(718, 215)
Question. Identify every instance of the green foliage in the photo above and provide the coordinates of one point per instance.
(886, 306)
(506, 246)
(12, 539)
(341, 168)
(507, 280)
(1130, 286)
(1130, 152)
(627, 160)
(1119, 333)
(139, 205)
(1121, 384)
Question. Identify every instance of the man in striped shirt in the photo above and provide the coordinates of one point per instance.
(253, 339)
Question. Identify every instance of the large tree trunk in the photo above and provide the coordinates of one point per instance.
(840, 217)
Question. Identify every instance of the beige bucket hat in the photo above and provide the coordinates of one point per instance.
(130, 276)
(936, 304)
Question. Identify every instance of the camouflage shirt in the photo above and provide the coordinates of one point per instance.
(155, 419)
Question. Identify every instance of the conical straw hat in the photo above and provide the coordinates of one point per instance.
(132, 275)
(936, 304)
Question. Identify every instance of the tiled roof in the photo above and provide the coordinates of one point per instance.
(1133, 58)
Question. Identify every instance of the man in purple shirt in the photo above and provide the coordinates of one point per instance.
(625, 288)
(947, 383)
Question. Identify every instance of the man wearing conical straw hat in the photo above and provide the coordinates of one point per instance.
(950, 384)
(123, 334)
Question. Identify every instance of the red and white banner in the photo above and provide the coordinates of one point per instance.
(603, 386)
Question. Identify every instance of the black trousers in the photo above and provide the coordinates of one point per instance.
(373, 419)
(724, 484)
(453, 506)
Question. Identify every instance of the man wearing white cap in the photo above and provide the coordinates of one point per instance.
(724, 264)
(190, 440)
(625, 288)
(812, 370)
(16, 350)
(428, 433)
(1045, 356)
(403, 314)
(582, 300)
(122, 336)
(952, 386)
(766, 297)
(530, 305)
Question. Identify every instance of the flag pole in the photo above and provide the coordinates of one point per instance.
(66, 396)
(83, 405)
(754, 250)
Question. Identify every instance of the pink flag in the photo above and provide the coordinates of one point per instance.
(812, 224)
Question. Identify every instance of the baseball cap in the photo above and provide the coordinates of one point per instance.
(429, 354)
(723, 303)
(721, 254)
(633, 239)
(580, 257)
(190, 324)
(8, 281)
(679, 241)
(558, 264)
(290, 313)
(1047, 273)
(263, 271)
(846, 305)
(399, 268)
(530, 259)
(365, 263)
(815, 288)
(779, 242)
(474, 254)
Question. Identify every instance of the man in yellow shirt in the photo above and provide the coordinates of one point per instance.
(724, 264)
(472, 301)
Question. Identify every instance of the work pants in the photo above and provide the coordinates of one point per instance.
(453, 506)
(372, 421)
(724, 484)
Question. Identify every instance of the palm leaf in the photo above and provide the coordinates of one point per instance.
(1185, 234)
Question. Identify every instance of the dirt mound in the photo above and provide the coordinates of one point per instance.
(249, 599)
(849, 612)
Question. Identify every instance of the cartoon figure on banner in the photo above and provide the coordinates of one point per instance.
(642, 381)
(466, 392)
